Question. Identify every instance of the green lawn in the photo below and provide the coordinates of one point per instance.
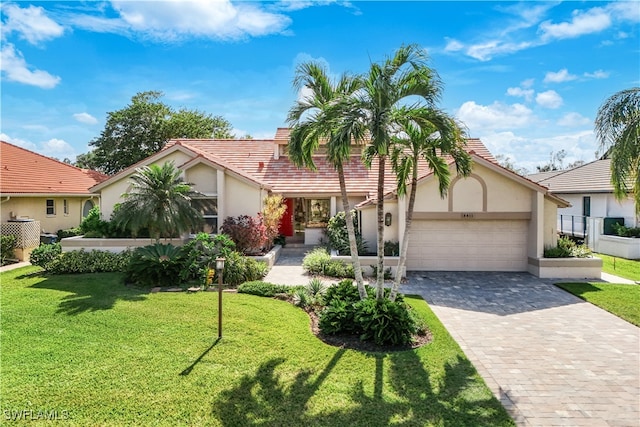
(110, 355)
(621, 300)
(629, 269)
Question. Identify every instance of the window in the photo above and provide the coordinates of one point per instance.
(51, 207)
(318, 212)
(65, 206)
(209, 210)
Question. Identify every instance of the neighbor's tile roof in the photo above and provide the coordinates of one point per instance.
(255, 160)
(25, 172)
(594, 177)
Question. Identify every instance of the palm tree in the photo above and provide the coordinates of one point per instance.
(160, 201)
(314, 118)
(390, 91)
(430, 135)
(618, 129)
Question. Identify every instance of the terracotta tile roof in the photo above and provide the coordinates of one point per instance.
(594, 177)
(25, 172)
(255, 160)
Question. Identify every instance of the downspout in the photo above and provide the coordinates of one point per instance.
(7, 199)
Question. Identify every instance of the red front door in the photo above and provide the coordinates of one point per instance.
(286, 225)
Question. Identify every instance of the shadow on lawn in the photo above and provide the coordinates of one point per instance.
(90, 292)
(264, 399)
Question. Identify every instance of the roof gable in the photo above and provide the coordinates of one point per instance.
(25, 172)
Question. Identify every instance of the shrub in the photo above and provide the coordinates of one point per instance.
(391, 248)
(200, 254)
(623, 231)
(567, 248)
(92, 225)
(338, 318)
(339, 236)
(95, 261)
(316, 261)
(43, 255)
(7, 245)
(155, 265)
(344, 290)
(272, 213)
(386, 274)
(69, 232)
(263, 289)
(384, 322)
(248, 233)
(239, 269)
(302, 298)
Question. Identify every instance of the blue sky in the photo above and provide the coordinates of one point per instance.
(525, 77)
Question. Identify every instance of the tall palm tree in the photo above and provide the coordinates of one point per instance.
(617, 126)
(315, 119)
(160, 201)
(401, 83)
(430, 135)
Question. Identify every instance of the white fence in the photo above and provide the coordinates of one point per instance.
(622, 247)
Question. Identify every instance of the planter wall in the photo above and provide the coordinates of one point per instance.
(566, 268)
(622, 247)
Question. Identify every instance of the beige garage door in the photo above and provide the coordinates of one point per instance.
(468, 245)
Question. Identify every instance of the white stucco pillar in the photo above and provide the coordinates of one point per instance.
(333, 206)
(220, 178)
(401, 218)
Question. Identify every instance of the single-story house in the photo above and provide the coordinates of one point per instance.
(39, 188)
(589, 190)
(494, 220)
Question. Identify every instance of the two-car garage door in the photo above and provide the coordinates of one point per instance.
(486, 245)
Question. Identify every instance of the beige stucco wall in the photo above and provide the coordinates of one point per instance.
(35, 208)
(110, 195)
(240, 198)
(204, 179)
(370, 225)
(550, 224)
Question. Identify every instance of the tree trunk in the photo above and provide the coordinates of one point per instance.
(380, 212)
(353, 246)
(402, 260)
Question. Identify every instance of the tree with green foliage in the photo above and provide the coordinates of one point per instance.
(319, 118)
(143, 128)
(391, 91)
(427, 135)
(617, 127)
(160, 201)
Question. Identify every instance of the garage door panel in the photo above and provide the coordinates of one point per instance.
(468, 245)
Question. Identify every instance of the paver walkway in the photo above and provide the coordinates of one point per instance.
(549, 357)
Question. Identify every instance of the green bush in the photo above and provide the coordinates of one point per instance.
(155, 265)
(263, 289)
(339, 236)
(69, 232)
(95, 261)
(391, 248)
(319, 262)
(344, 290)
(200, 254)
(384, 322)
(623, 231)
(43, 255)
(7, 245)
(239, 269)
(338, 318)
(567, 248)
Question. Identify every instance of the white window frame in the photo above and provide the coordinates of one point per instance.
(65, 207)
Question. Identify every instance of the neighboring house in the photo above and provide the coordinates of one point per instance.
(589, 190)
(493, 220)
(39, 188)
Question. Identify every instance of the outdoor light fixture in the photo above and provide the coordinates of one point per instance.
(387, 219)
(220, 268)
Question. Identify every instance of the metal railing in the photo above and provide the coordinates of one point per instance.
(572, 225)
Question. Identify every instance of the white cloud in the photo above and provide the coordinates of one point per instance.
(17, 141)
(15, 69)
(85, 118)
(58, 148)
(598, 74)
(487, 50)
(527, 94)
(549, 99)
(480, 118)
(453, 45)
(559, 77)
(30, 23)
(171, 20)
(527, 83)
(582, 22)
(573, 120)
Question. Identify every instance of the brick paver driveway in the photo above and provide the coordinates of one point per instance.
(551, 358)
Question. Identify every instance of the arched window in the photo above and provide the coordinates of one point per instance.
(88, 205)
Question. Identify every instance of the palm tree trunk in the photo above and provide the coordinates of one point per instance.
(405, 238)
(353, 246)
(380, 212)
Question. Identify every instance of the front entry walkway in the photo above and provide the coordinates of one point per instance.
(549, 357)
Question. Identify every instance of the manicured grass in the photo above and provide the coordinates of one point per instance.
(629, 269)
(621, 300)
(111, 355)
